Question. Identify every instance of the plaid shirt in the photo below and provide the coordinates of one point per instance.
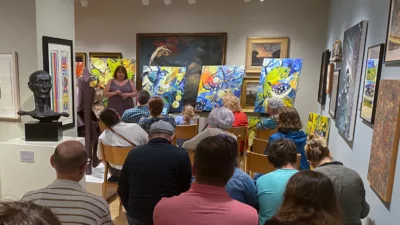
(146, 122)
(133, 115)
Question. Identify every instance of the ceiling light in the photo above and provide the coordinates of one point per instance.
(247, 0)
(168, 2)
(192, 1)
(84, 3)
(145, 2)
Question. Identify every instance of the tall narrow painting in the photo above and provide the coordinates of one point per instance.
(9, 88)
(349, 83)
(192, 51)
(166, 82)
(318, 125)
(385, 140)
(392, 53)
(279, 78)
(323, 77)
(215, 82)
(334, 94)
(58, 62)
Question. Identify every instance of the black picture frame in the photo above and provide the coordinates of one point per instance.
(326, 55)
(335, 88)
(81, 57)
(387, 43)
(46, 60)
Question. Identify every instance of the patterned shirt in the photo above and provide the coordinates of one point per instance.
(133, 115)
(267, 123)
(146, 122)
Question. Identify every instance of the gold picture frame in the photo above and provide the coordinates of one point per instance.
(249, 93)
(278, 48)
(111, 55)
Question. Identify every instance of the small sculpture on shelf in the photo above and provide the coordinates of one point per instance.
(337, 51)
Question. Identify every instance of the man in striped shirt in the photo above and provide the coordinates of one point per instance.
(65, 196)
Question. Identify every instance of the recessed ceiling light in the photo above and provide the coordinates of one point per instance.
(168, 2)
(247, 0)
(192, 1)
(145, 2)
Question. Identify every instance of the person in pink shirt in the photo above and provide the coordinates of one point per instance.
(207, 201)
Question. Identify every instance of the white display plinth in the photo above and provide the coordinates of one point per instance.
(16, 177)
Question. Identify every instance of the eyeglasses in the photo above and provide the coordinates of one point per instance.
(85, 163)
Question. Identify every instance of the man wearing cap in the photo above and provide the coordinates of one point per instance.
(151, 172)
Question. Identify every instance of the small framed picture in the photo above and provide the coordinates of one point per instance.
(249, 94)
(9, 88)
(331, 68)
(80, 63)
(107, 55)
(334, 93)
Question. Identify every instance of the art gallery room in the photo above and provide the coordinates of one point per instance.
(90, 90)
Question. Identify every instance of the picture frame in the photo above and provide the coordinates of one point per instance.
(331, 68)
(58, 62)
(334, 93)
(247, 100)
(111, 55)
(371, 82)
(267, 47)
(9, 87)
(80, 63)
(326, 55)
(392, 50)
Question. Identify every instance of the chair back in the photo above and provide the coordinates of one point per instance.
(186, 131)
(115, 155)
(240, 133)
(258, 163)
(259, 145)
(265, 134)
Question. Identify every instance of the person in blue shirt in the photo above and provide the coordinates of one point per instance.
(273, 106)
(187, 116)
(282, 155)
(133, 115)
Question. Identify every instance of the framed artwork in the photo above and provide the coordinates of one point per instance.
(192, 51)
(259, 48)
(215, 82)
(349, 82)
(331, 68)
(392, 53)
(385, 140)
(371, 83)
(9, 87)
(249, 94)
(326, 55)
(166, 82)
(279, 78)
(253, 121)
(80, 63)
(103, 69)
(335, 93)
(318, 124)
(58, 62)
(105, 55)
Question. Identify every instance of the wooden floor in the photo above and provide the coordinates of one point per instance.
(117, 219)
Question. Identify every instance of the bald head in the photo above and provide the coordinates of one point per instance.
(69, 157)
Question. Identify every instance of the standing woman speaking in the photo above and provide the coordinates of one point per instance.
(120, 91)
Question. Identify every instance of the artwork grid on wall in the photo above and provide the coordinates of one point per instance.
(371, 83)
(190, 50)
(335, 93)
(385, 140)
(249, 94)
(80, 63)
(318, 125)
(349, 83)
(331, 68)
(260, 48)
(9, 87)
(279, 78)
(323, 77)
(58, 62)
(215, 82)
(392, 53)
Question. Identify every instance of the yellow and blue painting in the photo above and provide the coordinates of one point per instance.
(279, 78)
(318, 124)
(215, 82)
(166, 82)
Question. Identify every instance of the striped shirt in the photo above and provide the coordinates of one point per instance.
(133, 115)
(71, 203)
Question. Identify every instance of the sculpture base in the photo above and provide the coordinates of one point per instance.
(43, 131)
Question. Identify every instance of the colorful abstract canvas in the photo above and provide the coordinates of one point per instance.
(166, 82)
(279, 78)
(253, 122)
(318, 124)
(215, 82)
(103, 69)
(385, 139)
(79, 66)
(349, 83)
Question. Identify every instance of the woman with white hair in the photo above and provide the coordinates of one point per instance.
(272, 108)
(219, 121)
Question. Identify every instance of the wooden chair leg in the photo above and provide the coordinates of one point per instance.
(104, 190)
(120, 206)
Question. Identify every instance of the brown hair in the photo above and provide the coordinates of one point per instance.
(309, 199)
(120, 68)
(143, 97)
(316, 148)
(281, 153)
(188, 113)
(289, 119)
(231, 102)
(156, 105)
(109, 117)
(26, 213)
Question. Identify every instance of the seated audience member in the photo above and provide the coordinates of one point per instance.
(119, 134)
(347, 182)
(26, 213)
(289, 127)
(274, 104)
(240, 187)
(232, 102)
(219, 121)
(133, 115)
(151, 172)
(187, 116)
(309, 199)
(207, 201)
(282, 155)
(66, 195)
(156, 106)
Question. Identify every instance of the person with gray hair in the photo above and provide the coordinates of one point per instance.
(272, 108)
(26, 213)
(219, 121)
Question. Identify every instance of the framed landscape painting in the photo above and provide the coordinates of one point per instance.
(249, 94)
(335, 93)
(392, 53)
(9, 87)
(323, 77)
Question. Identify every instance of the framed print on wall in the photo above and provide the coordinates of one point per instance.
(392, 53)
(260, 48)
(105, 55)
(249, 94)
(371, 83)
(80, 63)
(331, 68)
(9, 87)
(323, 77)
(58, 62)
(334, 93)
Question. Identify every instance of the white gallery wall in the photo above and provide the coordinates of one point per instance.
(111, 26)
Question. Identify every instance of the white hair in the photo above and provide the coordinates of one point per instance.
(275, 103)
(221, 117)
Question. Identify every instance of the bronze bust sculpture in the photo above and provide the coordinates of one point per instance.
(40, 85)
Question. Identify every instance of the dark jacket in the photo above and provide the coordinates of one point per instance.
(151, 172)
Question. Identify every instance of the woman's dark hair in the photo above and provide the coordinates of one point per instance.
(143, 97)
(120, 68)
(309, 199)
(282, 152)
(26, 213)
(156, 106)
(289, 119)
(109, 117)
(316, 148)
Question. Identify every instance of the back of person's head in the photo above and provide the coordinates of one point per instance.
(282, 153)
(221, 118)
(289, 119)
(161, 129)
(70, 159)
(143, 97)
(273, 105)
(26, 213)
(188, 113)
(215, 160)
(231, 102)
(109, 117)
(309, 199)
(316, 149)
(156, 106)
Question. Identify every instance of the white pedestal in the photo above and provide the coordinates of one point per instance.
(16, 177)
